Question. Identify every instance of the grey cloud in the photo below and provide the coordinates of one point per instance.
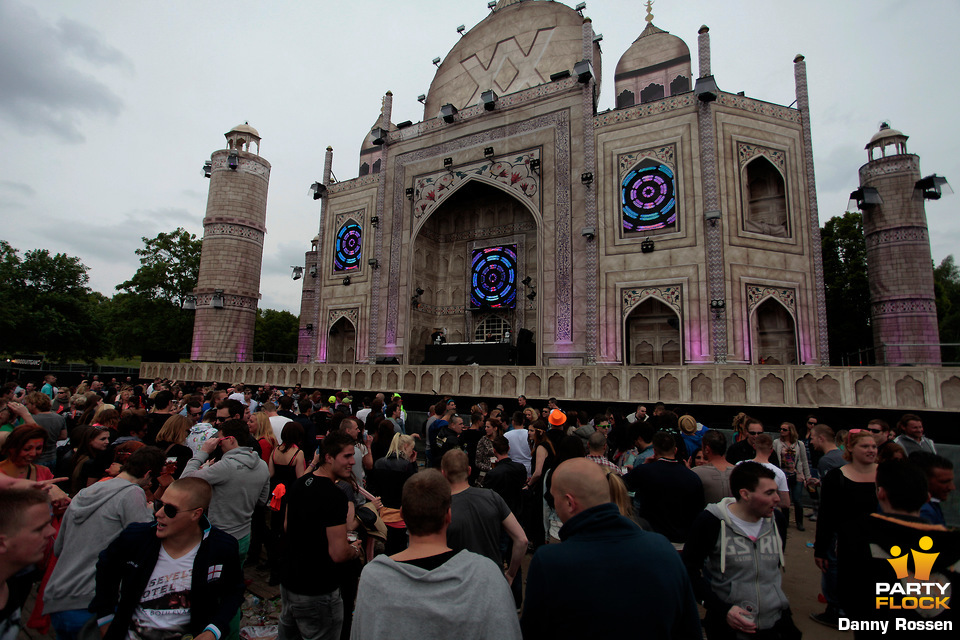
(279, 261)
(43, 92)
(20, 188)
(85, 41)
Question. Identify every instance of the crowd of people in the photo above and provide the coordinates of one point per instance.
(136, 508)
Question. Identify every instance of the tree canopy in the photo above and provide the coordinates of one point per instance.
(50, 309)
(846, 287)
(276, 332)
(946, 283)
(169, 267)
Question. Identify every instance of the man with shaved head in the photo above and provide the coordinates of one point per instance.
(614, 564)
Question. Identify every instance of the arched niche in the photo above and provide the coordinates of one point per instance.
(651, 92)
(342, 342)
(625, 99)
(446, 237)
(774, 334)
(765, 199)
(652, 334)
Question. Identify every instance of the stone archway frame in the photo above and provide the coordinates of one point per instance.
(558, 125)
(523, 308)
(511, 170)
(352, 314)
(632, 297)
(749, 150)
(755, 295)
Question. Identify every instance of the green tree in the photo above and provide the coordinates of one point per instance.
(846, 286)
(49, 307)
(276, 332)
(147, 314)
(946, 283)
(169, 267)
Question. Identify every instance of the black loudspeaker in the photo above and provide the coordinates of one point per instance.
(526, 349)
(388, 361)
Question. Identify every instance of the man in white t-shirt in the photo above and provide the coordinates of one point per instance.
(276, 421)
(764, 447)
(519, 443)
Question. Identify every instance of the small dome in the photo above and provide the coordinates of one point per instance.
(655, 66)
(885, 136)
(245, 128)
(516, 46)
(242, 136)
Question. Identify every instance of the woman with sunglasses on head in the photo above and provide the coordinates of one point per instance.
(793, 462)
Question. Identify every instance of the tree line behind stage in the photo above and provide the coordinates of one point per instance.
(50, 310)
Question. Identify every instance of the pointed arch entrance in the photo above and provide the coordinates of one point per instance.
(342, 342)
(774, 334)
(652, 335)
(477, 217)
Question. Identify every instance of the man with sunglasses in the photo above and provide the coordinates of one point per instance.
(178, 576)
(746, 449)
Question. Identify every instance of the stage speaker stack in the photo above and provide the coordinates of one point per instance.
(526, 349)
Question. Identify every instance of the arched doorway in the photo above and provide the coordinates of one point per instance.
(652, 335)
(476, 218)
(775, 334)
(342, 343)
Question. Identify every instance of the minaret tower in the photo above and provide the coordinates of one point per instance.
(228, 288)
(899, 265)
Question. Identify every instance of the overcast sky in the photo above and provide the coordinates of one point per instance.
(109, 109)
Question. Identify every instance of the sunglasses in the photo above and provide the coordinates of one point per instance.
(755, 433)
(171, 511)
(220, 419)
(873, 430)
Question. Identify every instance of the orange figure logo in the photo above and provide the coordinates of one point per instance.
(922, 562)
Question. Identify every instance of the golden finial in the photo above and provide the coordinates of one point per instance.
(649, 17)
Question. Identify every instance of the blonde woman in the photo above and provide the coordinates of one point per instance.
(386, 480)
(170, 440)
(793, 462)
(261, 430)
(619, 495)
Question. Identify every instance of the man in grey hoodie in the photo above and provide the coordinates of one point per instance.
(734, 553)
(446, 594)
(240, 481)
(95, 517)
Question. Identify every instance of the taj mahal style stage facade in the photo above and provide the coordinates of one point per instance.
(664, 250)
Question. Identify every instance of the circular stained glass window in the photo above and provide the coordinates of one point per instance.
(494, 277)
(347, 247)
(648, 198)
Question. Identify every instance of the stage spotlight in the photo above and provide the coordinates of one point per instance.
(419, 291)
(526, 281)
(532, 296)
(233, 160)
(217, 300)
(207, 169)
(489, 100)
(422, 97)
(706, 89)
(317, 189)
(448, 112)
(436, 61)
(461, 29)
(297, 273)
(346, 281)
